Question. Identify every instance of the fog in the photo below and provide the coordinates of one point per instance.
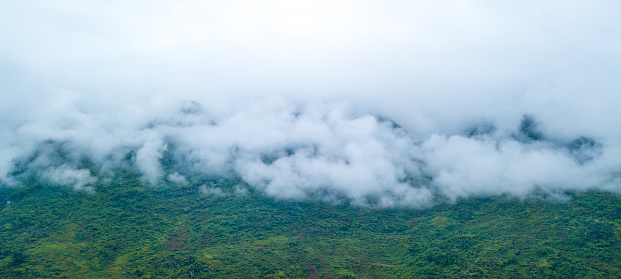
(381, 103)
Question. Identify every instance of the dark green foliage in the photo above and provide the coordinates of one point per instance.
(584, 149)
(529, 129)
(127, 230)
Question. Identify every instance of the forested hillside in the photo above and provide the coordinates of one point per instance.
(127, 230)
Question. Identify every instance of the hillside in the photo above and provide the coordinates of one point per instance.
(126, 230)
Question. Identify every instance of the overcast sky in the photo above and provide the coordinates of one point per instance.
(436, 68)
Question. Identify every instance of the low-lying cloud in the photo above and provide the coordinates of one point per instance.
(383, 104)
(317, 150)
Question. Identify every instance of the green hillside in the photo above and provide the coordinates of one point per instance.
(127, 230)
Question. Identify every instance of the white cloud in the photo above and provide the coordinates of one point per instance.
(296, 89)
(65, 175)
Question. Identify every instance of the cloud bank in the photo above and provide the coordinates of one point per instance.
(378, 103)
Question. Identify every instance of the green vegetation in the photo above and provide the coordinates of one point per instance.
(127, 230)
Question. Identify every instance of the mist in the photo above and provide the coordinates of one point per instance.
(383, 104)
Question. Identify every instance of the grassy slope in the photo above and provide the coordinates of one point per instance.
(127, 231)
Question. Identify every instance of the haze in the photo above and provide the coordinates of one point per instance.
(383, 103)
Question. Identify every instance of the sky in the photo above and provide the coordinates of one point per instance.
(382, 103)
